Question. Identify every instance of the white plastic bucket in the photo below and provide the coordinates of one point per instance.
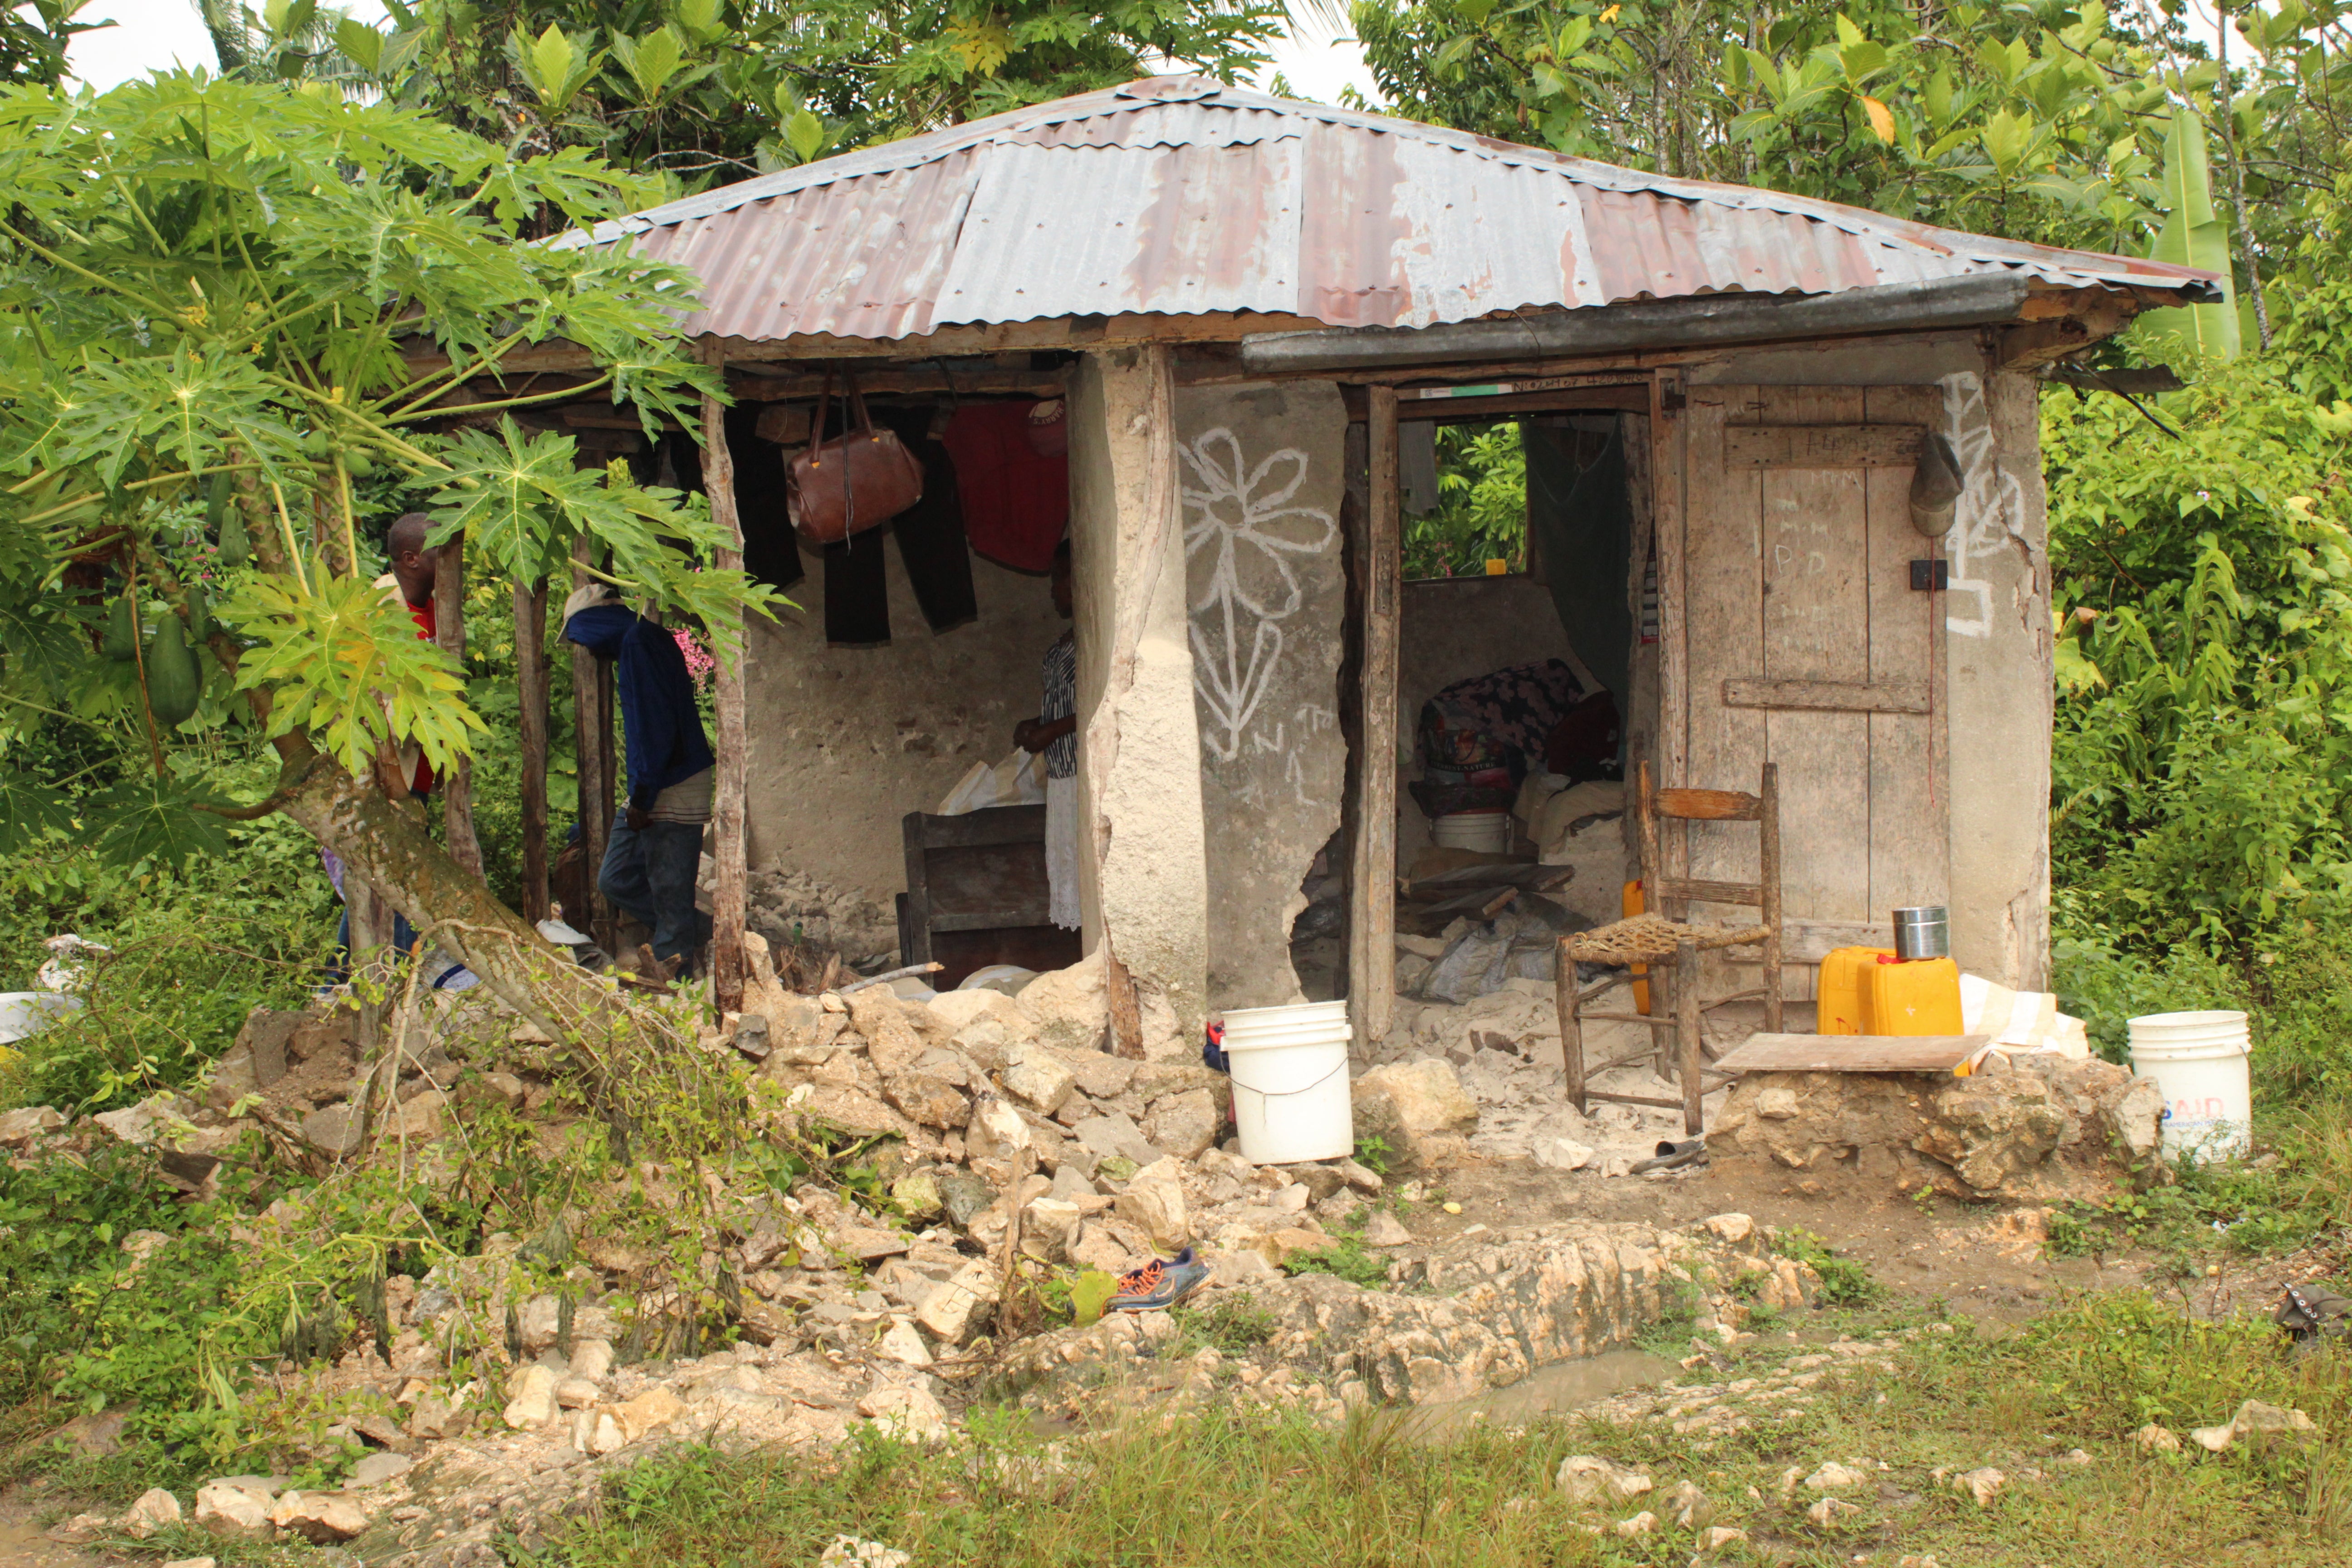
(2199, 1060)
(1487, 832)
(1289, 1067)
(23, 1012)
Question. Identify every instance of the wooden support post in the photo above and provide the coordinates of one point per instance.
(530, 690)
(1371, 934)
(728, 965)
(1686, 1033)
(1769, 867)
(592, 712)
(449, 623)
(1571, 1027)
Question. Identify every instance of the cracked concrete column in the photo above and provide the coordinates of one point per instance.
(2000, 684)
(1144, 870)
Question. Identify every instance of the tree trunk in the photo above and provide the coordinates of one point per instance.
(450, 621)
(592, 729)
(387, 847)
(728, 969)
(530, 688)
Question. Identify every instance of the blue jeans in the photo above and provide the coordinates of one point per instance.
(649, 875)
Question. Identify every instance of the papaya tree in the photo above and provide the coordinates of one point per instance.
(228, 312)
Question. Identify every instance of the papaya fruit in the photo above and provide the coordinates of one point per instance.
(122, 644)
(173, 686)
(358, 464)
(226, 520)
(200, 615)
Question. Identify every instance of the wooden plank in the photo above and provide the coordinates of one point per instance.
(1372, 959)
(1852, 1053)
(730, 965)
(1707, 804)
(1721, 637)
(1817, 629)
(1910, 837)
(450, 621)
(1685, 481)
(997, 825)
(1707, 891)
(1823, 446)
(530, 694)
(1893, 696)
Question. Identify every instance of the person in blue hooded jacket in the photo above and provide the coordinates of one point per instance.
(657, 844)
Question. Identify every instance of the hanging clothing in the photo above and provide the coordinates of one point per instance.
(931, 545)
(1016, 499)
(931, 549)
(771, 553)
(1059, 676)
(412, 765)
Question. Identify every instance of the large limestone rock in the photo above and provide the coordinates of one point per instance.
(960, 1009)
(227, 1508)
(930, 1101)
(1154, 1203)
(1038, 1078)
(1069, 1005)
(19, 1128)
(2031, 1130)
(320, 1517)
(1185, 1124)
(890, 1038)
(1419, 1109)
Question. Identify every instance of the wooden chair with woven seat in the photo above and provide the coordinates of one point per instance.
(1654, 939)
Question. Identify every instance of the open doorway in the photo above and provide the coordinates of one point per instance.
(897, 815)
(1522, 553)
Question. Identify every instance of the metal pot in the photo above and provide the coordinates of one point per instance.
(1925, 931)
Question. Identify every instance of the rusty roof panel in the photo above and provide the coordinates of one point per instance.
(1176, 196)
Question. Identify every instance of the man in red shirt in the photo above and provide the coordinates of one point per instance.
(410, 577)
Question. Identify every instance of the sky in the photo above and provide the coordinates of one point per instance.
(150, 34)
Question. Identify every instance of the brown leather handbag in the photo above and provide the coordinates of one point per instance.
(860, 479)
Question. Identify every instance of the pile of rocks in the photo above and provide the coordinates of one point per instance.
(453, 1466)
(1504, 1049)
(2032, 1129)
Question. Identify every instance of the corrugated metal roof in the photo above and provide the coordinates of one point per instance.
(1179, 195)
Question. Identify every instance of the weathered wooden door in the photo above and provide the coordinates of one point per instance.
(1804, 643)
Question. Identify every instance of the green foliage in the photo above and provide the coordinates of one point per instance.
(1482, 506)
(2035, 118)
(1090, 1293)
(1374, 1154)
(1233, 1324)
(702, 92)
(2201, 779)
(1346, 1258)
(1845, 1283)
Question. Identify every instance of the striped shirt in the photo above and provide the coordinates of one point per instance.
(688, 800)
(1060, 676)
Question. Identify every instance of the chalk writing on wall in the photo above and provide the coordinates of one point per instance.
(1241, 533)
(1990, 512)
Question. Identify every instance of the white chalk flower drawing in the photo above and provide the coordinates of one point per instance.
(1240, 533)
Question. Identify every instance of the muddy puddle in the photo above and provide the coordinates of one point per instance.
(1556, 1390)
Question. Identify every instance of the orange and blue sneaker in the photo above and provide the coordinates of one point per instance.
(1158, 1286)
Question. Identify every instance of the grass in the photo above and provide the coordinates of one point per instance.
(1215, 1487)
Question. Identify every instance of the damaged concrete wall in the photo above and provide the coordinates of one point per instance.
(1452, 628)
(845, 741)
(1260, 480)
(2000, 680)
(1144, 868)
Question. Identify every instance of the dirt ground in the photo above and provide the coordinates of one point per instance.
(22, 1543)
